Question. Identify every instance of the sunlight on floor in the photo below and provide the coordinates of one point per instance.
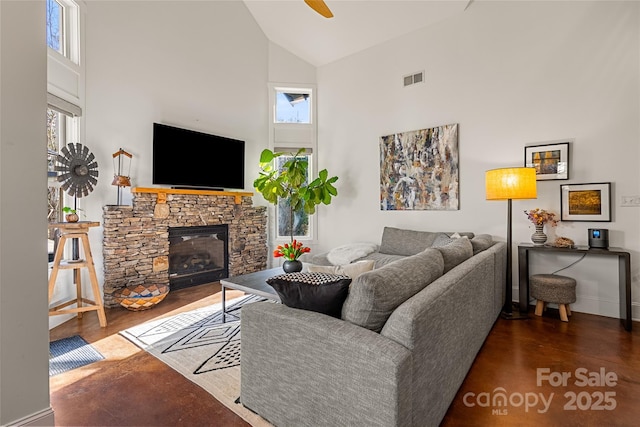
(115, 348)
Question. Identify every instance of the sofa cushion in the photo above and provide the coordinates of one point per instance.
(396, 241)
(443, 239)
(375, 294)
(352, 270)
(382, 259)
(456, 252)
(481, 242)
(321, 292)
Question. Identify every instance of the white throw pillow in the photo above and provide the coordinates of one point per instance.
(348, 253)
(352, 270)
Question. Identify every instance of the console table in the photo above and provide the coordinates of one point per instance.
(624, 274)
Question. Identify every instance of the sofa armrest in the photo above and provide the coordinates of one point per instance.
(305, 368)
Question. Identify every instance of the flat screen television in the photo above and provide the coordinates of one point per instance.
(184, 158)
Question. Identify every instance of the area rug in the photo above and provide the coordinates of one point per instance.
(69, 353)
(202, 348)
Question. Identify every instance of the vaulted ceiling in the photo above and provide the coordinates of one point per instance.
(356, 25)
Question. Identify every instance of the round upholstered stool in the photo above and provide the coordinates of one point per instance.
(560, 290)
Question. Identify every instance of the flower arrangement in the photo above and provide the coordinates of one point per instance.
(539, 216)
(291, 251)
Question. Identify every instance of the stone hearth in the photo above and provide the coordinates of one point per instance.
(136, 238)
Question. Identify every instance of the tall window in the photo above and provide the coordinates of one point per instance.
(55, 26)
(293, 106)
(55, 129)
(292, 128)
(298, 220)
(61, 129)
(63, 28)
(63, 125)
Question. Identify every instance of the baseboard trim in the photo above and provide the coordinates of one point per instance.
(43, 418)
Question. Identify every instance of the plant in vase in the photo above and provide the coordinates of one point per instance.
(540, 217)
(291, 252)
(290, 182)
(71, 214)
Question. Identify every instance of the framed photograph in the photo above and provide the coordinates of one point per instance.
(585, 202)
(551, 161)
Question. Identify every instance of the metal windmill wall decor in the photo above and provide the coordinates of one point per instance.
(78, 170)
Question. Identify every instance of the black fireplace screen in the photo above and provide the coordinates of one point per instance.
(197, 255)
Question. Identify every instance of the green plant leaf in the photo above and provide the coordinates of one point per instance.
(266, 156)
(291, 182)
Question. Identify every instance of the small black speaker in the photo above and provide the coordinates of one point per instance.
(598, 238)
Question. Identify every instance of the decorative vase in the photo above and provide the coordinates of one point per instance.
(72, 217)
(292, 266)
(538, 238)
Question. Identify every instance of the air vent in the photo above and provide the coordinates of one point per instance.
(414, 78)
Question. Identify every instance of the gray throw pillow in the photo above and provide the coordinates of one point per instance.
(374, 295)
(481, 242)
(456, 252)
(396, 241)
(442, 239)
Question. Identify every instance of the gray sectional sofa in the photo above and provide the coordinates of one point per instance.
(409, 332)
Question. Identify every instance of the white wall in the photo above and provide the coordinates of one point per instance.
(510, 74)
(197, 65)
(24, 337)
(285, 67)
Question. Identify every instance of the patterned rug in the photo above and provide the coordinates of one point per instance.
(202, 348)
(69, 353)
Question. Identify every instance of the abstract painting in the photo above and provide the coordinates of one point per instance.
(419, 169)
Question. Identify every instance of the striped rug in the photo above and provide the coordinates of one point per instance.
(70, 353)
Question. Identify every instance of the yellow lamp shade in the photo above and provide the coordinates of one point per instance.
(511, 183)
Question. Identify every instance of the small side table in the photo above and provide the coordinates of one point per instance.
(76, 230)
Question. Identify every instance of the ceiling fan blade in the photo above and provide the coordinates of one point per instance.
(320, 7)
(468, 4)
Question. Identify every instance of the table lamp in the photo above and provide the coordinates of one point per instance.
(508, 184)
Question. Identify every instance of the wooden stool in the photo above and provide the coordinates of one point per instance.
(76, 230)
(560, 290)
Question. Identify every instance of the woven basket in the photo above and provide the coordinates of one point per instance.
(141, 297)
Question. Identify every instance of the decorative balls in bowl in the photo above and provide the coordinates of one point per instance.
(140, 297)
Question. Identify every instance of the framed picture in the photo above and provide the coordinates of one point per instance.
(551, 161)
(419, 170)
(585, 202)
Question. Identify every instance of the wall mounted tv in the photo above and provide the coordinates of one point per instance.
(185, 158)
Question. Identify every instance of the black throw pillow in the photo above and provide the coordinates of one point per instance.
(321, 292)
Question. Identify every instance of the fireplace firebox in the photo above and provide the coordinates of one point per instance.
(198, 255)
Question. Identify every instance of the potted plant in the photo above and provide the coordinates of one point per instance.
(290, 182)
(71, 214)
(540, 217)
(291, 252)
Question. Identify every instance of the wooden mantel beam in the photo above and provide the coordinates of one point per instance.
(162, 193)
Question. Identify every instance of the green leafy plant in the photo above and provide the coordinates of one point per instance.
(70, 210)
(290, 183)
(71, 214)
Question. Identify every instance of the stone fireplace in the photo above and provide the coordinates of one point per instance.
(136, 242)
